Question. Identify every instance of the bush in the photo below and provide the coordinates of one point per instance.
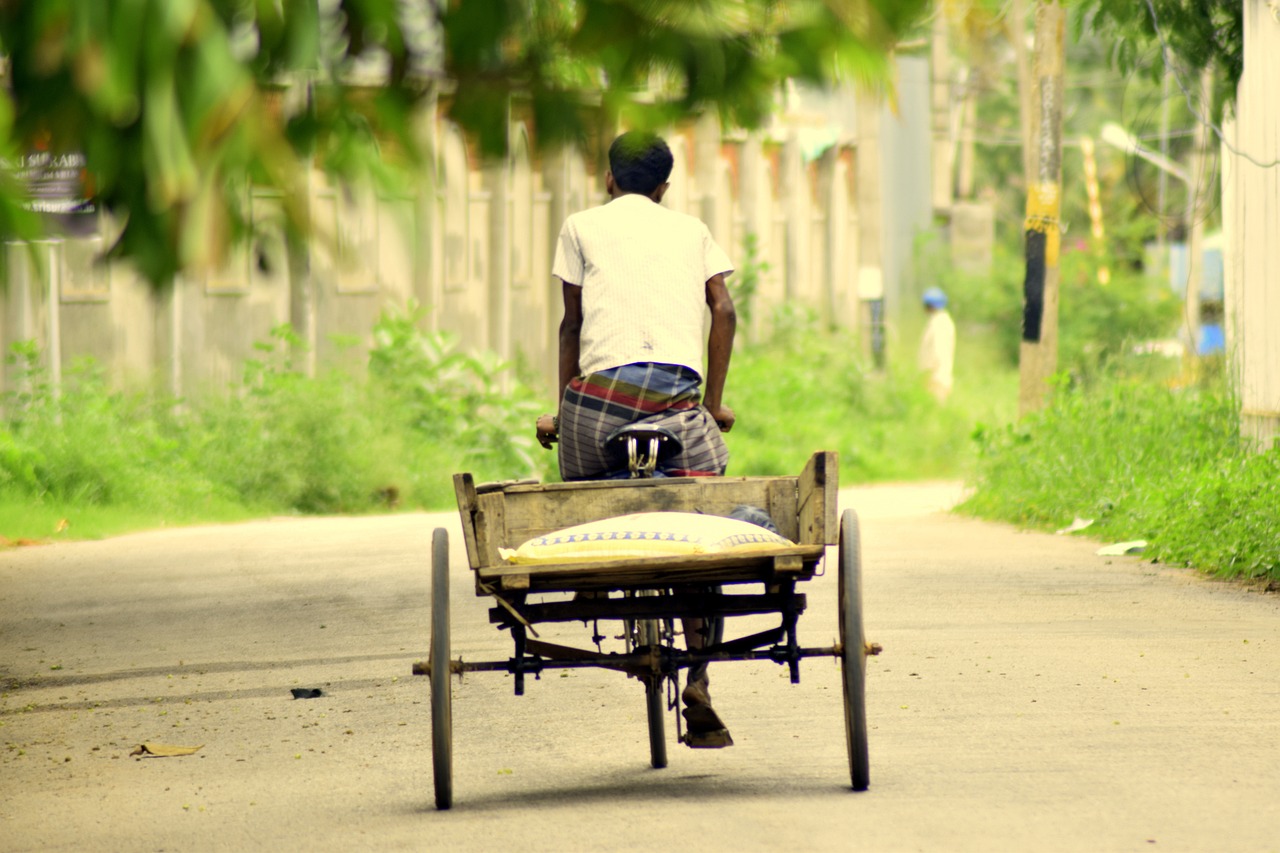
(1143, 461)
(85, 443)
(280, 441)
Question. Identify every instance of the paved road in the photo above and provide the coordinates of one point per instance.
(1032, 696)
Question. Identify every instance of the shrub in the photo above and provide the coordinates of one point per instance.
(1144, 461)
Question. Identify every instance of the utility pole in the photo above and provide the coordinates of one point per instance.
(1039, 350)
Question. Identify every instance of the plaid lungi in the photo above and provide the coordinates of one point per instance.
(665, 395)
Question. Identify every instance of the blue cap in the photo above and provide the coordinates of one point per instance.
(935, 298)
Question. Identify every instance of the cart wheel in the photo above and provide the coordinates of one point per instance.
(441, 697)
(649, 633)
(854, 657)
(656, 705)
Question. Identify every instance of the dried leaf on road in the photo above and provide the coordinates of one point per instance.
(165, 750)
(1077, 525)
(1137, 546)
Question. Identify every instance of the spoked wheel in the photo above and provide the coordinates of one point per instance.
(642, 633)
(854, 656)
(441, 697)
(655, 701)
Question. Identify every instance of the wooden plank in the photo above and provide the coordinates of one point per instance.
(515, 582)
(819, 499)
(537, 511)
(783, 506)
(464, 488)
(491, 528)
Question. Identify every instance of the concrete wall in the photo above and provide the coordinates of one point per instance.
(474, 245)
(1251, 226)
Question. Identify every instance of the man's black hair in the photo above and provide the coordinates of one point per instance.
(641, 162)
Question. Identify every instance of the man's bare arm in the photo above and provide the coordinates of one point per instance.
(548, 427)
(570, 337)
(724, 322)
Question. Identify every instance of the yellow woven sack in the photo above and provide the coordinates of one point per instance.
(644, 534)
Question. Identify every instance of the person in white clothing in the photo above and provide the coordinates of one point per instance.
(938, 345)
(635, 279)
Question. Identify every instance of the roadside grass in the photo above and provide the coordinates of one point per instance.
(27, 523)
(104, 461)
(1142, 460)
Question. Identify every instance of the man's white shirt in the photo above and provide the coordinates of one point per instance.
(643, 271)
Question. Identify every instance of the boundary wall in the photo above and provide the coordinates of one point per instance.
(474, 247)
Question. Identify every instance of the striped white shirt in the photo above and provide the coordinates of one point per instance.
(643, 271)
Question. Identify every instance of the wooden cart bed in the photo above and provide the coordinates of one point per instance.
(505, 515)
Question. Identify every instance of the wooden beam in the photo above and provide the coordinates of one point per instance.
(819, 487)
(464, 489)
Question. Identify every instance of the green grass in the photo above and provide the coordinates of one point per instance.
(279, 442)
(1144, 461)
(46, 522)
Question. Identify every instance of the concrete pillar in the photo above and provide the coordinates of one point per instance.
(869, 200)
(497, 182)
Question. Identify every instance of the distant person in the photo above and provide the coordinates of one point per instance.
(938, 345)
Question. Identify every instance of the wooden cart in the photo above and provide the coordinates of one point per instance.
(648, 594)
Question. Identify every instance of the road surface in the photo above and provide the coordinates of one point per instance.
(1031, 696)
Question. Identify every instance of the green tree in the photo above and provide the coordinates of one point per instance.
(177, 104)
(1190, 35)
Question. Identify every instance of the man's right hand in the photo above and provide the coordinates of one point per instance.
(724, 417)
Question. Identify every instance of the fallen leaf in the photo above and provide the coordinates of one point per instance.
(1119, 549)
(1077, 525)
(165, 750)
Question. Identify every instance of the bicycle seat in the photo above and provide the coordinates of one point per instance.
(640, 447)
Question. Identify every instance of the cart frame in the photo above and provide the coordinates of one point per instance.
(654, 590)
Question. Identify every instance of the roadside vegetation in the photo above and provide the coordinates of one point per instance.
(1141, 460)
(1140, 445)
(1132, 442)
(86, 460)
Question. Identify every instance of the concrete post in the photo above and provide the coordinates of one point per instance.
(1038, 357)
